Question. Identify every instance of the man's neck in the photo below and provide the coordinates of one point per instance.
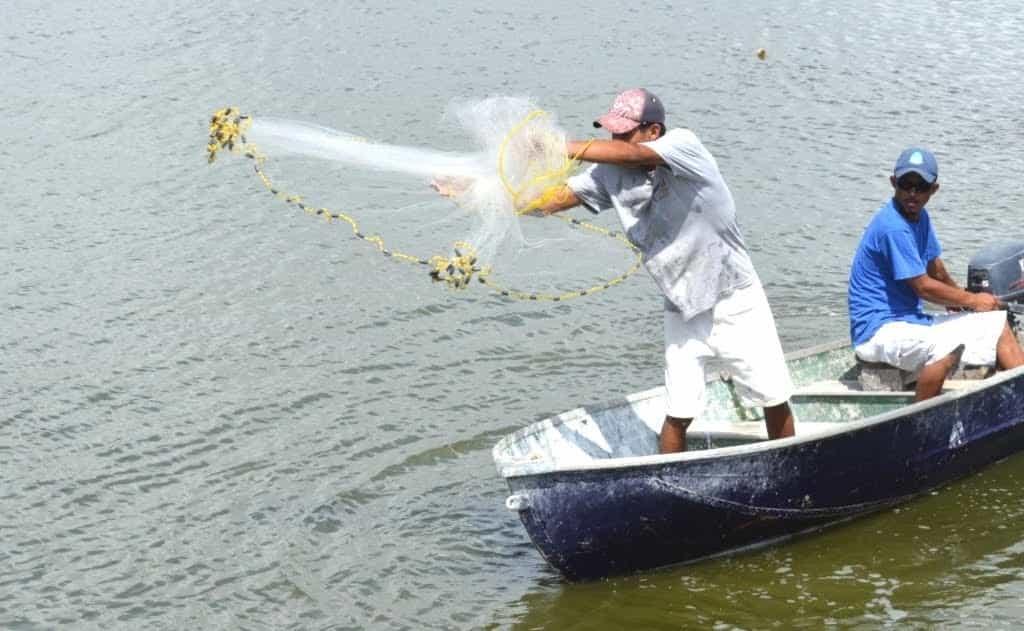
(903, 211)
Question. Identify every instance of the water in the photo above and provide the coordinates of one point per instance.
(218, 413)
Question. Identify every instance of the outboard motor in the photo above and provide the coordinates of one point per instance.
(999, 270)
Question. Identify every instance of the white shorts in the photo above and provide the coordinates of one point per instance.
(911, 347)
(738, 333)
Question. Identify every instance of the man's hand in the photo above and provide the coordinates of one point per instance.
(536, 212)
(553, 200)
(985, 302)
(450, 186)
(949, 294)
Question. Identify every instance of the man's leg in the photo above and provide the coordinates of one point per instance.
(673, 435)
(1008, 351)
(748, 343)
(932, 376)
(685, 351)
(778, 420)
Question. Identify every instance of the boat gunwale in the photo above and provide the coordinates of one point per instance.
(543, 467)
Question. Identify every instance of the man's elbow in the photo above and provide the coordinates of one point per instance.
(920, 284)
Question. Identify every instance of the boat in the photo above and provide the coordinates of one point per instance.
(597, 500)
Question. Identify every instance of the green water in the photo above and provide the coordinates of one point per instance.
(219, 413)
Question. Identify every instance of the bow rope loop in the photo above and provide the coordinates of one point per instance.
(227, 131)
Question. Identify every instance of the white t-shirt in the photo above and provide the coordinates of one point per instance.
(681, 216)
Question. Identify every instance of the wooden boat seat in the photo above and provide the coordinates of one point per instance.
(847, 388)
(852, 388)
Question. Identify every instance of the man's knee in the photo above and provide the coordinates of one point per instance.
(1009, 353)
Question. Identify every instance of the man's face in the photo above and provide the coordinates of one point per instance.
(912, 193)
(643, 133)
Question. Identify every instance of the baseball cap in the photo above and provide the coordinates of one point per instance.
(630, 109)
(918, 160)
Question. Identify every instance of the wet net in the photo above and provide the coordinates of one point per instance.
(519, 160)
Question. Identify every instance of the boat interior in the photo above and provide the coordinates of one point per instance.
(832, 387)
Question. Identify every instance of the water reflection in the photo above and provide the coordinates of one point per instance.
(956, 552)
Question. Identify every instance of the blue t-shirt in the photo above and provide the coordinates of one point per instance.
(892, 250)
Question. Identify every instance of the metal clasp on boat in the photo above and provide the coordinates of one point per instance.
(517, 502)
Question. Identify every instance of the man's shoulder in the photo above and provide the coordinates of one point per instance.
(682, 133)
(877, 228)
(679, 136)
(887, 209)
(681, 149)
(887, 219)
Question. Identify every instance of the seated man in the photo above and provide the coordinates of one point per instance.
(897, 265)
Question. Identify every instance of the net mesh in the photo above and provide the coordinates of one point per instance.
(518, 158)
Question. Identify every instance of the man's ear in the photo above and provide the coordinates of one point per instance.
(892, 180)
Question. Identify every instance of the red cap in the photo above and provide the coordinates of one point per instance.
(631, 109)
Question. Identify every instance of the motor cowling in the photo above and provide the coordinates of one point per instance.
(999, 270)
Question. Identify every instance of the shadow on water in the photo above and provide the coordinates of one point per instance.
(953, 555)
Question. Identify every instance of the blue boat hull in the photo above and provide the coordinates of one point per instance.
(595, 522)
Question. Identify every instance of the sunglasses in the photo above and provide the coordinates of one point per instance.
(917, 186)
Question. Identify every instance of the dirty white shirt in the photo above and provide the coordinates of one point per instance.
(681, 216)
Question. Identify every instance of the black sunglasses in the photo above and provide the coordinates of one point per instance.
(917, 186)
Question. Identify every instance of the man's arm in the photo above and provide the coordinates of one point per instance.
(937, 270)
(618, 152)
(938, 287)
(562, 198)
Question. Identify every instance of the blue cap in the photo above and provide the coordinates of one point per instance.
(918, 160)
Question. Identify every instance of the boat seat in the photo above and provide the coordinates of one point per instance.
(846, 388)
(879, 377)
(972, 373)
(851, 388)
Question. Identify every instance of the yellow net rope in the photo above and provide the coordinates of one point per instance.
(227, 132)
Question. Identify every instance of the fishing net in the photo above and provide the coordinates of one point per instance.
(520, 158)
